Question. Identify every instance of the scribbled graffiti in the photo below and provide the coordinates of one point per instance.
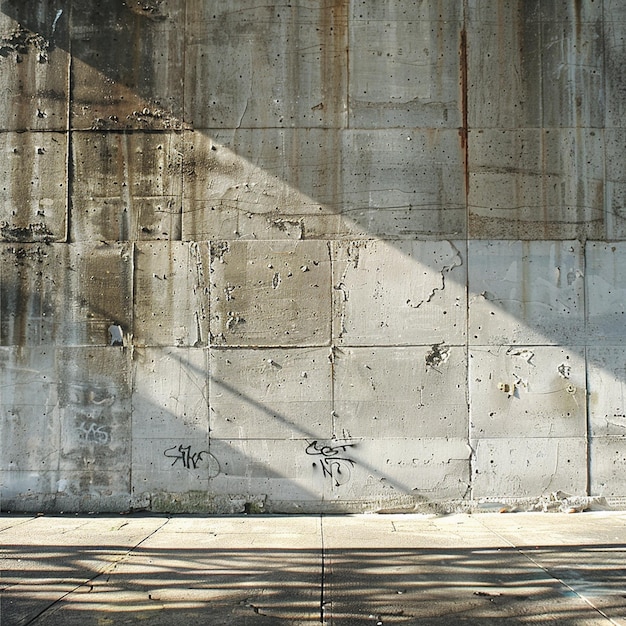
(335, 465)
(93, 433)
(190, 460)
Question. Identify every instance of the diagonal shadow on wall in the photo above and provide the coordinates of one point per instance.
(353, 186)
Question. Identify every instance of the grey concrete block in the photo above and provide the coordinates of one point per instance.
(30, 430)
(270, 393)
(127, 65)
(614, 31)
(606, 292)
(536, 391)
(536, 184)
(607, 465)
(178, 465)
(25, 490)
(615, 184)
(526, 292)
(171, 294)
(270, 65)
(70, 295)
(126, 186)
(29, 278)
(33, 194)
(405, 65)
(34, 66)
(95, 413)
(320, 183)
(256, 293)
(568, 12)
(529, 466)
(399, 293)
(96, 298)
(404, 183)
(424, 469)
(263, 183)
(572, 64)
(390, 392)
(503, 64)
(275, 469)
(504, 12)
(170, 394)
(606, 372)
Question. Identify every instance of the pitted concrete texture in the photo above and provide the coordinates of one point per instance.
(311, 257)
(377, 569)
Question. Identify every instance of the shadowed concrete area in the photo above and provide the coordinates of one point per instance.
(516, 568)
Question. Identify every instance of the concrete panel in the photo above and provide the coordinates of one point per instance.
(33, 194)
(269, 65)
(607, 466)
(171, 451)
(614, 31)
(65, 294)
(525, 292)
(268, 183)
(126, 186)
(170, 393)
(536, 184)
(383, 393)
(417, 470)
(536, 391)
(127, 65)
(171, 294)
(30, 428)
(404, 183)
(606, 292)
(271, 393)
(399, 293)
(257, 293)
(34, 66)
(182, 466)
(573, 68)
(283, 183)
(503, 64)
(606, 372)
(277, 470)
(615, 184)
(405, 64)
(529, 467)
(29, 279)
(95, 412)
(29, 490)
(96, 299)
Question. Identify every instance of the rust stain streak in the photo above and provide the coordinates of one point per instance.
(463, 131)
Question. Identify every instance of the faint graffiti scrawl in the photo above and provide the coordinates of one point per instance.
(93, 434)
(331, 459)
(190, 460)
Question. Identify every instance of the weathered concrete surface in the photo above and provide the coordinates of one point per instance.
(346, 255)
(402, 293)
(134, 193)
(526, 292)
(33, 196)
(34, 67)
(300, 570)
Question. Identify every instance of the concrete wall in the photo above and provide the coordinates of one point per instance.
(326, 255)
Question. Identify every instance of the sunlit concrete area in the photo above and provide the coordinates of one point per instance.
(517, 568)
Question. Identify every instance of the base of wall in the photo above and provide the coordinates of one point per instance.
(237, 504)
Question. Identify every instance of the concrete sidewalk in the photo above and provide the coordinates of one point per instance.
(517, 568)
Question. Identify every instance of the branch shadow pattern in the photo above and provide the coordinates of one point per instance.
(241, 586)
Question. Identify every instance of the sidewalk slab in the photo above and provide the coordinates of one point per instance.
(516, 568)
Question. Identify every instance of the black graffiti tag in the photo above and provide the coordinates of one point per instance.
(333, 464)
(184, 454)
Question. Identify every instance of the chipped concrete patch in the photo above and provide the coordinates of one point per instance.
(403, 293)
